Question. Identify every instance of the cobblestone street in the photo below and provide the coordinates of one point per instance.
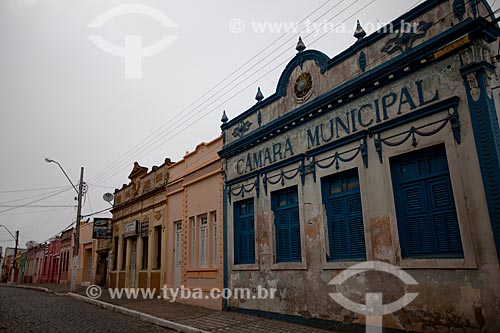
(24, 310)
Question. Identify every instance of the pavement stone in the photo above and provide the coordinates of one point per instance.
(198, 318)
(28, 310)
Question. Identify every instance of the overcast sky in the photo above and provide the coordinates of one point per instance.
(63, 97)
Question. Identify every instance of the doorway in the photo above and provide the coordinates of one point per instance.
(133, 262)
(178, 255)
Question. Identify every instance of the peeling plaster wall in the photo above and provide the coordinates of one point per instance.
(454, 294)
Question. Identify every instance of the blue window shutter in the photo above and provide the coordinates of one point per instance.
(296, 252)
(282, 236)
(427, 220)
(287, 225)
(244, 233)
(356, 228)
(345, 228)
(251, 240)
(344, 216)
(444, 217)
(237, 235)
(417, 234)
(338, 229)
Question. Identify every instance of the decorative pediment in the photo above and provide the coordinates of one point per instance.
(318, 57)
(137, 172)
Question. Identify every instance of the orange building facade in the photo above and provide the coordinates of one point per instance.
(167, 227)
(194, 224)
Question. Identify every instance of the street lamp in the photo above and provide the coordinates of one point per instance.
(16, 238)
(48, 160)
(76, 245)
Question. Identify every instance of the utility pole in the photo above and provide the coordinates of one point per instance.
(76, 245)
(16, 238)
(14, 258)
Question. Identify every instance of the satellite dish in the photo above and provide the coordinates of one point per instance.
(108, 197)
(31, 244)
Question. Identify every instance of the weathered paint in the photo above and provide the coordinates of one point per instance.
(454, 294)
(194, 190)
(143, 200)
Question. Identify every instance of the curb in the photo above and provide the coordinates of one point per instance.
(29, 287)
(138, 315)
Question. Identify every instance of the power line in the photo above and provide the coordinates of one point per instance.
(247, 86)
(31, 212)
(172, 135)
(148, 143)
(34, 201)
(30, 197)
(101, 211)
(189, 115)
(168, 122)
(101, 186)
(39, 206)
(33, 189)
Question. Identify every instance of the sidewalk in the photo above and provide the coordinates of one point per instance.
(189, 318)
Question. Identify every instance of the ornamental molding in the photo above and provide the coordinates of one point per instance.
(404, 40)
(242, 127)
(475, 91)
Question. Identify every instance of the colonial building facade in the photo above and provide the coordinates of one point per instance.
(194, 224)
(66, 256)
(167, 226)
(138, 243)
(390, 151)
(87, 258)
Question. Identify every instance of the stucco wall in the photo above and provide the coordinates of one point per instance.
(454, 294)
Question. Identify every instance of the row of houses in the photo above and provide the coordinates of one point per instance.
(7, 263)
(389, 152)
(49, 262)
(166, 231)
(167, 225)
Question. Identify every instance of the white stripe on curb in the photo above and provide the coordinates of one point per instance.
(139, 315)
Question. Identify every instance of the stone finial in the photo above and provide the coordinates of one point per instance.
(224, 118)
(359, 33)
(300, 45)
(259, 97)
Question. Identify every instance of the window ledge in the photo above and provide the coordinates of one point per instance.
(437, 264)
(246, 267)
(289, 266)
(340, 264)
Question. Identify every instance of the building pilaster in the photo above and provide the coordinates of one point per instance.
(477, 72)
